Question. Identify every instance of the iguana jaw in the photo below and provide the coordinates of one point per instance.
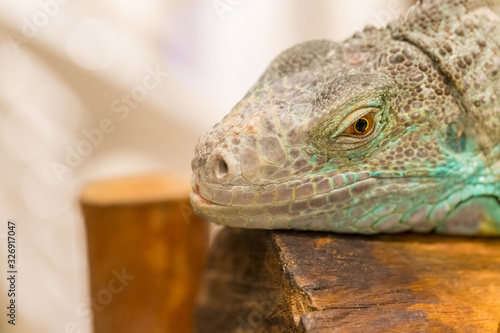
(368, 206)
(355, 200)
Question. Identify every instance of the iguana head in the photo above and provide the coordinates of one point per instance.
(366, 136)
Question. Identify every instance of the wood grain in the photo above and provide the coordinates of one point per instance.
(143, 230)
(338, 283)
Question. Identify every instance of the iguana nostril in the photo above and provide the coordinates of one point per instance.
(219, 167)
(222, 168)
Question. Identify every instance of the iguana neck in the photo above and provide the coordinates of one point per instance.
(463, 39)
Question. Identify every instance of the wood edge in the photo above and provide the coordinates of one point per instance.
(137, 189)
(299, 301)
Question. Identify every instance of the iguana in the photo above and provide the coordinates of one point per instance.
(395, 129)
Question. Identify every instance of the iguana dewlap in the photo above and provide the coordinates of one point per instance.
(392, 130)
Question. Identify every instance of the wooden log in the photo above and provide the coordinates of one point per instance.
(146, 251)
(263, 281)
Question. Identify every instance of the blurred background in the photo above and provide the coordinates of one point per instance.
(100, 89)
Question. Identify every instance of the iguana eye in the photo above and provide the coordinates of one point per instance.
(361, 127)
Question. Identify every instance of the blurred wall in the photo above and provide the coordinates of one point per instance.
(99, 89)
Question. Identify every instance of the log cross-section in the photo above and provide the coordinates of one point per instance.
(146, 251)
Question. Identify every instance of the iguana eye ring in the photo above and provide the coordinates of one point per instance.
(361, 127)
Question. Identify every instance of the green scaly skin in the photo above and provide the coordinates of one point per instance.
(284, 158)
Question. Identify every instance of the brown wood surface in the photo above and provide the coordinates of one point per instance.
(263, 281)
(146, 251)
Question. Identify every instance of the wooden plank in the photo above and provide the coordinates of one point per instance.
(146, 251)
(341, 283)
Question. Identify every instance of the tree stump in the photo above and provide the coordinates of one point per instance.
(286, 281)
(146, 251)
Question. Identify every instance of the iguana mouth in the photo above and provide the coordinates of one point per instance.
(199, 200)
